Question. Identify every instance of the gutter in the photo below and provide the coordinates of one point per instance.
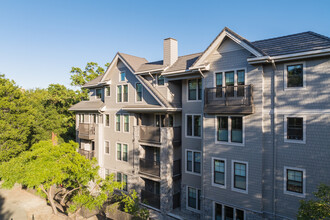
(287, 57)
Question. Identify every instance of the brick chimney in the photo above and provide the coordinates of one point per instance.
(170, 51)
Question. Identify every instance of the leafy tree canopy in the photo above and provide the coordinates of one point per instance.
(92, 70)
(316, 209)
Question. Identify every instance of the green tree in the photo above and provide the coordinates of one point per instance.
(92, 70)
(16, 120)
(46, 166)
(316, 209)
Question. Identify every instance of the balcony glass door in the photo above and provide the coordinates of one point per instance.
(230, 84)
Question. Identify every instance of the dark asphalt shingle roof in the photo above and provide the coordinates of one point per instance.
(151, 66)
(295, 43)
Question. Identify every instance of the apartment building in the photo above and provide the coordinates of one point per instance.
(239, 131)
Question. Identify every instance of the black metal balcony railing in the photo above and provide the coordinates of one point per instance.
(150, 199)
(150, 167)
(86, 153)
(86, 131)
(177, 167)
(229, 99)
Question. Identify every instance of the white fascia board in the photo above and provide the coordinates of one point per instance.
(287, 57)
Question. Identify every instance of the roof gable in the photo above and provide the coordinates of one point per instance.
(226, 33)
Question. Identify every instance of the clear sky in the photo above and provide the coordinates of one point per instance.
(41, 40)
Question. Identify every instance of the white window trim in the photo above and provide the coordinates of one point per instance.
(223, 210)
(129, 123)
(193, 161)
(187, 196)
(105, 119)
(122, 151)
(105, 147)
(193, 126)
(232, 176)
(105, 91)
(202, 98)
(122, 93)
(120, 81)
(135, 96)
(120, 123)
(225, 174)
(229, 131)
(286, 76)
(303, 141)
(122, 178)
(301, 195)
(224, 76)
(158, 75)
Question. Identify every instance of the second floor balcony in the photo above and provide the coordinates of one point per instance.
(150, 167)
(158, 135)
(88, 154)
(86, 131)
(229, 100)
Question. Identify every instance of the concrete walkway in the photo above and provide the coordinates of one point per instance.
(17, 204)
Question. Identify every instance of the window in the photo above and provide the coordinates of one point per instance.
(119, 177)
(122, 178)
(118, 151)
(219, 170)
(107, 91)
(125, 152)
(193, 162)
(240, 180)
(195, 89)
(294, 181)
(160, 80)
(118, 123)
(193, 125)
(122, 76)
(240, 82)
(193, 198)
(98, 93)
(139, 92)
(107, 120)
(106, 172)
(119, 93)
(107, 147)
(226, 212)
(126, 123)
(81, 118)
(295, 129)
(230, 129)
(125, 94)
(230, 83)
(218, 84)
(295, 75)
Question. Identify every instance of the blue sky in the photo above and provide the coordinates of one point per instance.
(41, 40)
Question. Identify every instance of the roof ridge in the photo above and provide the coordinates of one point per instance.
(319, 35)
(132, 55)
(289, 35)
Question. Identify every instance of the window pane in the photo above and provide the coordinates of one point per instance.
(107, 91)
(199, 200)
(125, 182)
(122, 76)
(240, 82)
(240, 176)
(199, 89)
(118, 177)
(118, 151)
(197, 162)
(218, 78)
(237, 129)
(295, 181)
(192, 197)
(119, 92)
(125, 93)
(295, 75)
(218, 212)
(161, 80)
(222, 128)
(125, 153)
(219, 172)
(138, 92)
(107, 147)
(117, 122)
(197, 125)
(98, 93)
(229, 213)
(295, 128)
(189, 125)
(192, 87)
(239, 214)
(189, 161)
(229, 84)
(126, 123)
(107, 120)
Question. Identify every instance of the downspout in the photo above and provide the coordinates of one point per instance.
(273, 137)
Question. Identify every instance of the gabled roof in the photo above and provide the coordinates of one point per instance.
(151, 66)
(295, 43)
(96, 105)
(134, 61)
(183, 63)
(93, 82)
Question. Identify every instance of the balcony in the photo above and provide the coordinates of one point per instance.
(176, 200)
(176, 168)
(150, 167)
(150, 199)
(88, 154)
(229, 100)
(156, 135)
(86, 131)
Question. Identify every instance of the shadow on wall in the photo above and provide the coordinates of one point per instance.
(4, 215)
